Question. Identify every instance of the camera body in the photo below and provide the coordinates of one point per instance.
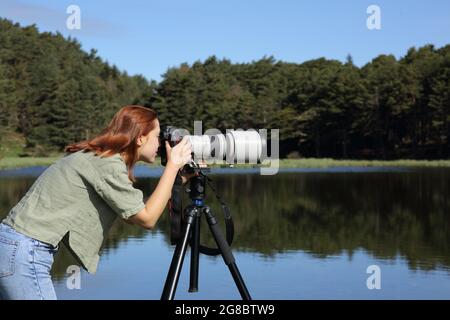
(169, 134)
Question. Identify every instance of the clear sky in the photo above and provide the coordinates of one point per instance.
(147, 37)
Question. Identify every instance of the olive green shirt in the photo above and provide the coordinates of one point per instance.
(77, 198)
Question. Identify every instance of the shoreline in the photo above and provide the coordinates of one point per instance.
(18, 163)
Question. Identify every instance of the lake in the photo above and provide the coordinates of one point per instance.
(301, 234)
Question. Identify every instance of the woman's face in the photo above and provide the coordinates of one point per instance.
(148, 145)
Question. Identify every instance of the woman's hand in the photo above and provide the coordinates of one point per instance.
(179, 155)
(186, 176)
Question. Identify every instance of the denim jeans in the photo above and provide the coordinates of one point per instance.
(25, 265)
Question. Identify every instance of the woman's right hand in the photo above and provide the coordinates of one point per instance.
(179, 155)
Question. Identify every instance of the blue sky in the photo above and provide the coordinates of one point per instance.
(147, 37)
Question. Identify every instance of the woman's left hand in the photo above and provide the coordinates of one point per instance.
(186, 176)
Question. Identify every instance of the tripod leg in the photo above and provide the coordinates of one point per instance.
(173, 275)
(227, 255)
(195, 242)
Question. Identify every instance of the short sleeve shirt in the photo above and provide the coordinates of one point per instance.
(77, 198)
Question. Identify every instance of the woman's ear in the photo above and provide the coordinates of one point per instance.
(140, 141)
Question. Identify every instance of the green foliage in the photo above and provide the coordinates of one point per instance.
(387, 109)
(53, 93)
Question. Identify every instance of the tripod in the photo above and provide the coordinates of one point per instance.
(191, 233)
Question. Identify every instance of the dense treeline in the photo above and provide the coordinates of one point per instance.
(54, 93)
(387, 109)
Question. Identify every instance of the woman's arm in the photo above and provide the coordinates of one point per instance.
(156, 203)
(154, 207)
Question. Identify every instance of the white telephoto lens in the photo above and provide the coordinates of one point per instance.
(237, 146)
(247, 146)
(230, 152)
(218, 147)
(201, 147)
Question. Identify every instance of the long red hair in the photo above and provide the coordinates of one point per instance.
(120, 136)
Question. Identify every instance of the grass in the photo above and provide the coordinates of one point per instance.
(326, 162)
(11, 143)
(11, 162)
(18, 162)
(12, 152)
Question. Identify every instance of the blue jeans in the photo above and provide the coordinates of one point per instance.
(25, 265)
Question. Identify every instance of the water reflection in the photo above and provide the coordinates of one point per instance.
(387, 214)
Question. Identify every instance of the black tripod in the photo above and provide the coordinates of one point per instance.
(191, 233)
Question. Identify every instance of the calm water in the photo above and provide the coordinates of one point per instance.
(302, 234)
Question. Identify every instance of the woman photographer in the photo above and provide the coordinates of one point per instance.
(77, 199)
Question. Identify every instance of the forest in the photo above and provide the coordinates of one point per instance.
(53, 93)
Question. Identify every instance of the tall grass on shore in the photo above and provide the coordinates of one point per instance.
(21, 162)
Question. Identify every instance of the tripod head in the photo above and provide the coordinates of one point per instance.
(197, 184)
(197, 190)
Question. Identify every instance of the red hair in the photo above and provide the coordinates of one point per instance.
(120, 136)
